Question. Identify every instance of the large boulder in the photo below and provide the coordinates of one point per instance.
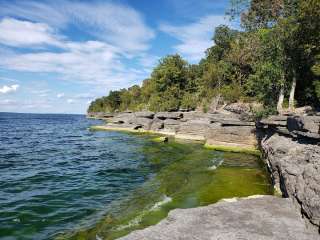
(254, 218)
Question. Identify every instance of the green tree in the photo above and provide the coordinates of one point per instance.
(169, 82)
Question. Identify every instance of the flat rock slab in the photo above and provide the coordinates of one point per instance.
(258, 218)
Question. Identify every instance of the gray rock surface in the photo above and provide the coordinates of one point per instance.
(144, 122)
(122, 118)
(157, 124)
(263, 218)
(275, 121)
(215, 128)
(169, 115)
(145, 114)
(295, 170)
(304, 123)
(244, 135)
(194, 127)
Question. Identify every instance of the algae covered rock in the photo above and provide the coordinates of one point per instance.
(161, 139)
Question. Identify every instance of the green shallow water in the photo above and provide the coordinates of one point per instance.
(185, 175)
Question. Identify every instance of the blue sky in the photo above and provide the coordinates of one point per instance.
(57, 56)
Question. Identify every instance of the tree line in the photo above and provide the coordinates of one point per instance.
(274, 60)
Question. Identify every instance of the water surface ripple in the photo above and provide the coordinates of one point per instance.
(55, 174)
(58, 180)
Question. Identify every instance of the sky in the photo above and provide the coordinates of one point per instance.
(57, 56)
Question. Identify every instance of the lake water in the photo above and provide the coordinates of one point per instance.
(59, 180)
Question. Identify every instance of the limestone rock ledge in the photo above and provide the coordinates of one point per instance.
(261, 217)
(215, 129)
(291, 146)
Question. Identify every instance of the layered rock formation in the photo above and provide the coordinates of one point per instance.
(291, 146)
(227, 129)
(263, 218)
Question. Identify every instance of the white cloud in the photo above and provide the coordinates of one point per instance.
(9, 89)
(60, 95)
(16, 104)
(84, 96)
(23, 33)
(196, 37)
(7, 102)
(41, 92)
(148, 61)
(70, 101)
(92, 62)
(117, 24)
(34, 39)
(8, 79)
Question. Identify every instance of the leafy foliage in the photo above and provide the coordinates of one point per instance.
(279, 44)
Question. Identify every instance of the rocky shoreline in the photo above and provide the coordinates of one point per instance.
(290, 146)
(219, 130)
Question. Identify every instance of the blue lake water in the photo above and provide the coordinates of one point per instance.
(55, 174)
(60, 180)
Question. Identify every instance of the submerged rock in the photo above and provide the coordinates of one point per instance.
(263, 218)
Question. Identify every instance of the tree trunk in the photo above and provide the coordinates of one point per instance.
(280, 99)
(292, 92)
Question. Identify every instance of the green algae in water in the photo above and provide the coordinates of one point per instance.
(186, 175)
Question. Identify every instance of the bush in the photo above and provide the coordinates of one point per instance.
(231, 93)
(189, 101)
(265, 112)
